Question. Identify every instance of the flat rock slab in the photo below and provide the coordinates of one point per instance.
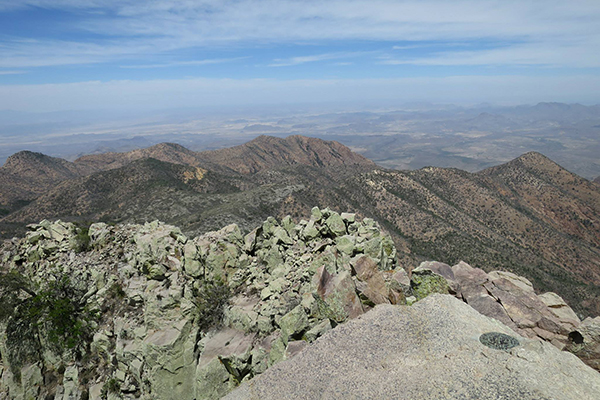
(431, 350)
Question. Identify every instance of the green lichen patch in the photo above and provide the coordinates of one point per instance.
(426, 283)
(498, 341)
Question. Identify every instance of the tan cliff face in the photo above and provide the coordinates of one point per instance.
(529, 216)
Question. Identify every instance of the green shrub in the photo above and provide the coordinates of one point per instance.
(211, 299)
(111, 386)
(82, 239)
(55, 313)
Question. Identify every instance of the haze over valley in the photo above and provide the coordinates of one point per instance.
(406, 137)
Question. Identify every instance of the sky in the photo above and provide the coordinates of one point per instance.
(143, 55)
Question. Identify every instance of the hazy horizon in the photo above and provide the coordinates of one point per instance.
(85, 76)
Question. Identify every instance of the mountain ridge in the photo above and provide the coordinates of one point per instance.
(529, 216)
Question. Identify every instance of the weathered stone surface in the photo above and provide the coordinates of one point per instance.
(584, 342)
(336, 224)
(293, 323)
(365, 267)
(559, 308)
(516, 280)
(339, 293)
(427, 351)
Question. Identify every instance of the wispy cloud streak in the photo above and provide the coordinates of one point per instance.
(195, 63)
(316, 58)
(551, 32)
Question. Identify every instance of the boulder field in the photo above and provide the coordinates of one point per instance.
(194, 318)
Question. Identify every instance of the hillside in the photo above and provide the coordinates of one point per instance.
(507, 217)
(529, 216)
(168, 152)
(267, 152)
(26, 175)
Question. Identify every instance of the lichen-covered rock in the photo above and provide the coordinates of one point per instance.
(147, 282)
(425, 282)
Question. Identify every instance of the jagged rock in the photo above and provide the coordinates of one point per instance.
(427, 351)
(559, 308)
(318, 330)
(519, 281)
(506, 297)
(293, 323)
(339, 294)
(336, 224)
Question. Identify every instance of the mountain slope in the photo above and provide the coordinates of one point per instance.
(266, 152)
(142, 190)
(529, 216)
(452, 215)
(26, 175)
(168, 152)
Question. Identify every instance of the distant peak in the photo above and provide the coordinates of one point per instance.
(25, 156)
(534, 156)
(264, 152)
(169, 145)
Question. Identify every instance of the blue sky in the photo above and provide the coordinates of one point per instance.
(88, 54)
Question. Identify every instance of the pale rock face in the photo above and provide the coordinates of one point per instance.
(426, 351)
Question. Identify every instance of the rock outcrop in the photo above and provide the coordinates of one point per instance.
(193, 318)
(287, 284)
(509, 298)
(434, 349)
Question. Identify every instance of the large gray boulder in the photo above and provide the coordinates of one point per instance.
(431, 350)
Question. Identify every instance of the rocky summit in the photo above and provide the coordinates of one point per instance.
(146, 312)
(431, 350)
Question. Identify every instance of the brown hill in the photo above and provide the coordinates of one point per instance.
(168, 152)
(142, 190)
(267, 152)
(26, 175)
(529, 216)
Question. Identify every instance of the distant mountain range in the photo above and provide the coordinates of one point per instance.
(529, 216)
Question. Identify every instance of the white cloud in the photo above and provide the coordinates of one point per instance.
(545, 54)
(185, 63)
(156, 26)
(12, 72)
(315, 58)
(157, 94)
